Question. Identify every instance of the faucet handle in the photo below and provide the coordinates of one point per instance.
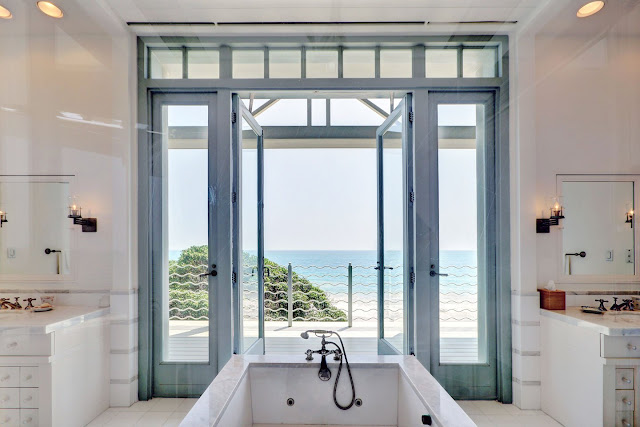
(309, 354)
(29, 303)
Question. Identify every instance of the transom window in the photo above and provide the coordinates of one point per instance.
(442, 60)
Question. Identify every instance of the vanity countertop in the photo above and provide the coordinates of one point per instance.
(62, 316)
(618, 323)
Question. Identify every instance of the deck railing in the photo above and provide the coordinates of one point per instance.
(344, 293)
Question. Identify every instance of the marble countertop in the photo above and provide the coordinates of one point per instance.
(210, 407)
(616, 323)
(62, 316)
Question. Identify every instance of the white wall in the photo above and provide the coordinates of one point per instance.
(80, 67)
(575, 107)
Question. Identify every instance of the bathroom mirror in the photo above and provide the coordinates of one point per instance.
(598, 229)
(36, 220)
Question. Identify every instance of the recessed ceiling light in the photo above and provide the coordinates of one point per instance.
(5, 13)
(590, 9)
(50, 9)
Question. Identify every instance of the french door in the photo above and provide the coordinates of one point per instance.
(185, 224)
(462, 266)
(394, 146)
(248, 231)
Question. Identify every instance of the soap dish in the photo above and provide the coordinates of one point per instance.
(591, 310)
(40, 310)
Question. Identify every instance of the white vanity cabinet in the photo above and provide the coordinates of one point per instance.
(54, 367)
(590, 368)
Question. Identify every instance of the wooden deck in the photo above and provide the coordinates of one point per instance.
(188, 340)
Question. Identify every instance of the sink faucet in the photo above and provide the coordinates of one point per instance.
(616, 306)
(5, 303)
(627, 304)
(602, 301)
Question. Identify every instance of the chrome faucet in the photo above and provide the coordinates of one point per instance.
(338, 354)
(616, 306)
(325, 373)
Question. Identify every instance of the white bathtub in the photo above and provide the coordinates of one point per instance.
(253, 391)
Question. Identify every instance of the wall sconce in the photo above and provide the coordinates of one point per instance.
(556, 213)
(629, 218)
(3, 218)
(89, 225)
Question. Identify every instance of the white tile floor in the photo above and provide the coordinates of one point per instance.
(158, 412)
(494, 414)
(169, 412)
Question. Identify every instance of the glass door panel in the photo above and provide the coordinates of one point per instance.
(249, 253)
(393, 139)
(183, 349)
(463, 353)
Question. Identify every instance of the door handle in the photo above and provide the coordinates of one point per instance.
(384, 268)
(434, 273)
(213, 272)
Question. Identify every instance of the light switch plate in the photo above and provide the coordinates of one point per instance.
(608, 255)
(11, 252)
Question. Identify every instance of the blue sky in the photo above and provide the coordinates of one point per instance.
(322, 199)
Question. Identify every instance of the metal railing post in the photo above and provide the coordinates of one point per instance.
(290, 294)
(350, 294)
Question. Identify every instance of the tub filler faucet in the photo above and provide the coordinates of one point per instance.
(338, 353)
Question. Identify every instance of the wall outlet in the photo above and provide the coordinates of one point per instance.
(11, 252)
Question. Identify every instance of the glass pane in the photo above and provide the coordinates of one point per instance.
(441, 62)
(285, 64)
(285, 112)
(358, 63)
(248, 64)
(322, 64)
(479, 62)
(396, 63)
(186, 296)
(249, 214)
(351, 112)
(203, 64)
(392, 188)
(461, 204)
(165, 64)
(318, 112)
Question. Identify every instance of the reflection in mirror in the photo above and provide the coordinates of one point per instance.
(596, 223)
(38, 221)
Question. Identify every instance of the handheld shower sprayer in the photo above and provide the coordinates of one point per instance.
(325, 373)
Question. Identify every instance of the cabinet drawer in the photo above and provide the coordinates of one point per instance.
(9, 376)
(624, 378)
(9, 398)
(9, 417)
(25, 345)
(625, 400)
(29, 376)
(619, 346)
(28, 398)
(624, 419)
(29, 417)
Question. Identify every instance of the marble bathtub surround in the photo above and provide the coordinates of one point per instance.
(210, 408)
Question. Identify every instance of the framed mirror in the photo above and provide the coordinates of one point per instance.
(36, 241)
(598, 233)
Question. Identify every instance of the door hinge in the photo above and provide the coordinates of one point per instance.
(412, 197)
(411, 116)
(234, 277)
(412, 278)
(234, 197)
(234, 117)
